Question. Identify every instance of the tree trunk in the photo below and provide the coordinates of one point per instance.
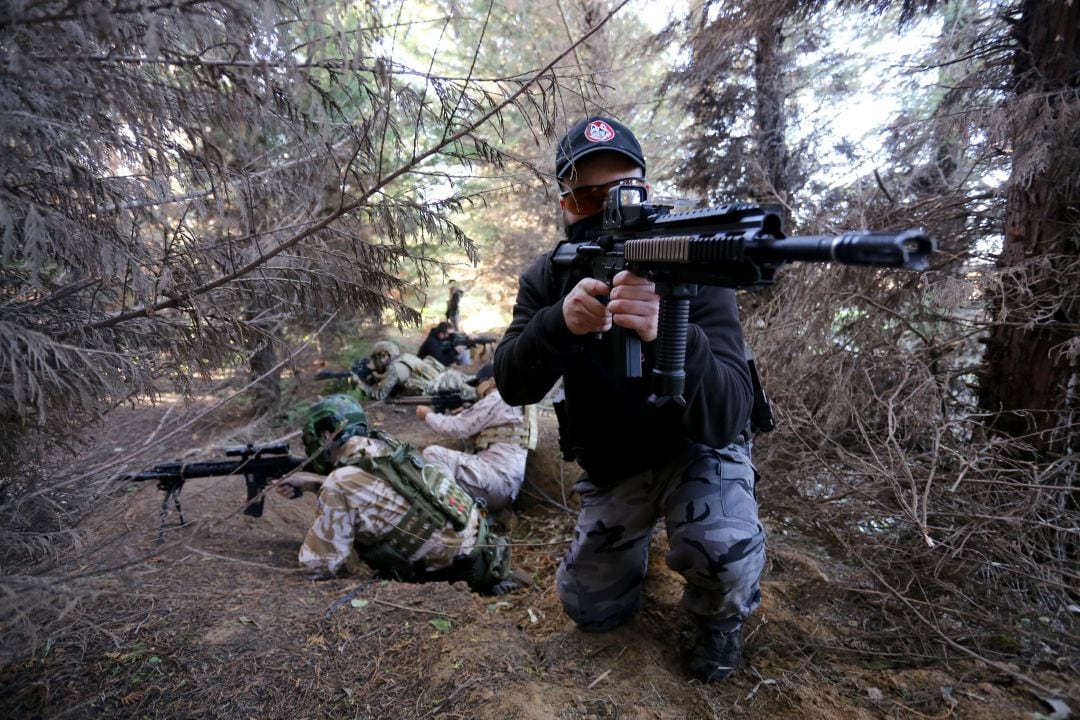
(1031, 368)
(266, 392)
(769, 126)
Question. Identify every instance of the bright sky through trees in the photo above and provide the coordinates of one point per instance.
(877, 95)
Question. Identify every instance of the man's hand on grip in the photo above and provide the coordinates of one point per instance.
(583, 312)
(635, 305)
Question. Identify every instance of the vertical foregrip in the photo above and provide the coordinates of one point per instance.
(669, 375)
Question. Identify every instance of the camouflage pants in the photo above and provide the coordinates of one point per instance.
(493, 475)
(706, 497)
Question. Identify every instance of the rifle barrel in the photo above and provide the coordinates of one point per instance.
(909, 249)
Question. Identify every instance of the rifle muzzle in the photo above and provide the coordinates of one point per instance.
(909, 249)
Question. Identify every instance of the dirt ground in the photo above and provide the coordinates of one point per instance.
(219, 621)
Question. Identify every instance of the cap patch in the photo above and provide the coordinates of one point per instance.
(599, 131)
(592, 135)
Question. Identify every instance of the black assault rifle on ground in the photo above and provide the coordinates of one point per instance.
(360, 371)
(442, 401)
(257, 463)
(734, 246)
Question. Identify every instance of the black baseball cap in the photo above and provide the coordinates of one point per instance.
(486, 371)
(592, 135)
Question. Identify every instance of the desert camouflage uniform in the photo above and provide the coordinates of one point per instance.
(406, 375)
(356, 508)
(499, 435)
(706, 497)
(452, 380)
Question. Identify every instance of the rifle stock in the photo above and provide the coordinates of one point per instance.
(735, 246)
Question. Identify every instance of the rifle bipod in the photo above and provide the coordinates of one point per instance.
(172, 490)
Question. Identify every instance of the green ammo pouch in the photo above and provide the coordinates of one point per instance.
(490, 558)
(434, 497)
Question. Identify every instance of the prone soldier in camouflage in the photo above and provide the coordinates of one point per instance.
(381, 503)
(499, 438)
(398, 373)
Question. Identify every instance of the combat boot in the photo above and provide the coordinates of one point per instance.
(717, 653)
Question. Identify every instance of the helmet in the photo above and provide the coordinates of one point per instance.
(385, 346)
(383, 353)
(339, 414)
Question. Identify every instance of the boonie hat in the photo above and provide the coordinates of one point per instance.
(486, 371)
(592, 135)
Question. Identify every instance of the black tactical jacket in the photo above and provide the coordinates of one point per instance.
(612, 429)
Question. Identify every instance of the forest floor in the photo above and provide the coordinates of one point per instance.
(219, 621)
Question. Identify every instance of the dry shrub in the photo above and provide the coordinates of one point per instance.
(969, 536)
(36, 532)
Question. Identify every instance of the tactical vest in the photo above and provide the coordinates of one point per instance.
(523, 434)
(434, 499)
(421, 372)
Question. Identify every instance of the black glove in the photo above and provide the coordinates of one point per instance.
(503, 587)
